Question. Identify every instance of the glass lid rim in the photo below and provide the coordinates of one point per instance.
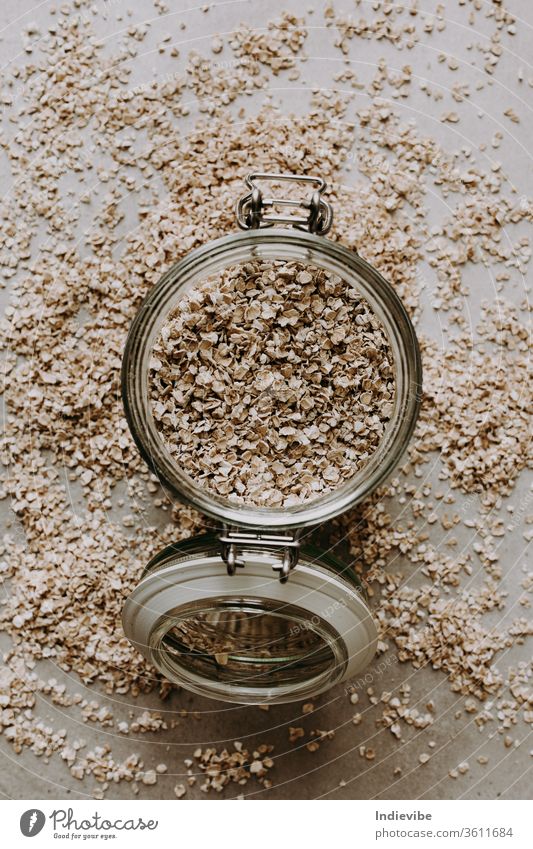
(383, 460)
(186, 575)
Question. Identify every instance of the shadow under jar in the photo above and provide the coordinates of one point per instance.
(251, 613)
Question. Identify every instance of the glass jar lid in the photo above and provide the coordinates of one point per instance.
(248, 638)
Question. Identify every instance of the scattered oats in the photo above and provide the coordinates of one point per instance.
(295, 733)
(69, 570)
(510, 113)
(221, 768)
(451, 117)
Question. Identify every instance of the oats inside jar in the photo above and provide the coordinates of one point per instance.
(271, 383)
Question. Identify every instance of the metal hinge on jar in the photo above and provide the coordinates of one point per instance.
(232, 541)
(254, 210)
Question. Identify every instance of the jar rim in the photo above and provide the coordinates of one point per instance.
(289, 245)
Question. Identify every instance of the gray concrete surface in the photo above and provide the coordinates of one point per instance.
(299, 773)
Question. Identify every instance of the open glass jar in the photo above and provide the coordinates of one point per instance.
(218, 614)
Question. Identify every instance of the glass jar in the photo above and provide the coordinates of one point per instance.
(192, 593)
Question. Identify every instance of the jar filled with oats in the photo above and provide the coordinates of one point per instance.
(271, 380)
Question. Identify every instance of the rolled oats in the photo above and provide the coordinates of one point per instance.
(273, 384)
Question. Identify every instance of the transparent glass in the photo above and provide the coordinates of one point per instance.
(287, 245)
(247, 649)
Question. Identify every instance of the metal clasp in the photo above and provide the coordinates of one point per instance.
(232, 540)
(253, 208)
